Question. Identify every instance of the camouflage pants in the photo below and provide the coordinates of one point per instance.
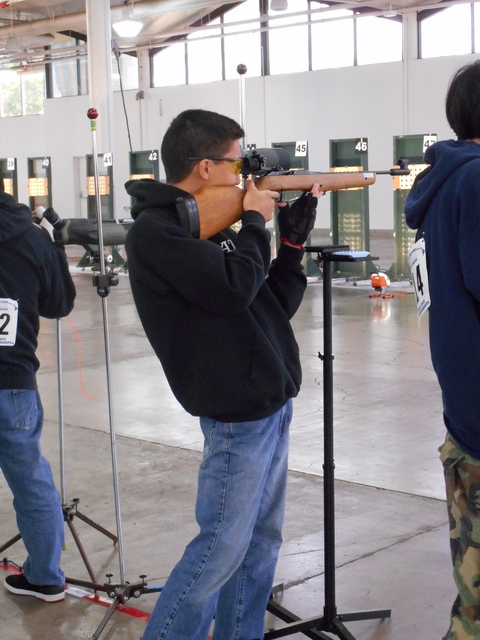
(462, 482)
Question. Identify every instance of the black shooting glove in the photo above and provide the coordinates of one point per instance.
(296, 219)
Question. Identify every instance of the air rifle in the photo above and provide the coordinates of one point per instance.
(213, 209)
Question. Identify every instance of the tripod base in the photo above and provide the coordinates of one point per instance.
(313, 627)
(120, 593)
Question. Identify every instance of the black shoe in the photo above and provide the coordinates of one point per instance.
(21, 586)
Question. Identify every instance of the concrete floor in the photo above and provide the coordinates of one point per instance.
(391, 523)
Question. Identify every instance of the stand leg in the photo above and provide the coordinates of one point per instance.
(106, 618)
(96, 526)
(82, 551)
(10, 542)
(341, 631)
(295, 624)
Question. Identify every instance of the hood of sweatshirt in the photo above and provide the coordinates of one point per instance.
(151, 194)
(444, 158)
(15, 218)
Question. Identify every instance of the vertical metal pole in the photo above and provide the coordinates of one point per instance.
(98, 200)
(113, 446)
(242, 70)
(328, 453)
(61, 424)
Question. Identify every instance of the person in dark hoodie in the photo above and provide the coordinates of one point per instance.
(34, 281)
(218, 317)
(444, 205)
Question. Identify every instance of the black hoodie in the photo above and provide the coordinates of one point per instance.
(219, 326)
(444, 205)
(34, 275)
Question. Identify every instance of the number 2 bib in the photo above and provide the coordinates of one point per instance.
(8, 322)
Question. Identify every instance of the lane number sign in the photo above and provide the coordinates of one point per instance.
(428, 141)
(301, 148)
(361, 145)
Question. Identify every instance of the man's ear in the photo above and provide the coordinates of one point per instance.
(204, 169)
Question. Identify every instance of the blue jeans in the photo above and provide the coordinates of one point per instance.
(227, 571)
(36, 499)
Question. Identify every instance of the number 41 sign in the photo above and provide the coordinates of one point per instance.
(418, 266)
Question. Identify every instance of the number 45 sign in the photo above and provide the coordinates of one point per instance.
(418, 266)
(301, 148)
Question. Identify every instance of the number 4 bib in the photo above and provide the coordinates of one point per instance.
(8, 322)
(418, 266)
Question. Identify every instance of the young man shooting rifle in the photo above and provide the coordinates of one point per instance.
(217, 314)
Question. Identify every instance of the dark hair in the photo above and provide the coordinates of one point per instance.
(463, 102)
(196, 133)
(2, 184)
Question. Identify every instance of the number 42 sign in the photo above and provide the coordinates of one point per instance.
(418, 266)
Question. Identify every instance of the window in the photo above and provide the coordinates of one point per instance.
(476, 21)
(129, 70)
(169, 66)
(21, 93)
(288, 45)
(67, 77)
(300, 38)
(33, 92)
(204, 55)
(10, 94)
(332, 42)
(447, 32)
(243, 48)
(378, 40)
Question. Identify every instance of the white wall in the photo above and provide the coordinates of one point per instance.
(375, 101)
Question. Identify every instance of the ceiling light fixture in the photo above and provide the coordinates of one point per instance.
(391, 13)
(127, 26)
(12, 45)
(279, 5)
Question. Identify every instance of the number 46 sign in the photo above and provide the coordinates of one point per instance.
(418, 266)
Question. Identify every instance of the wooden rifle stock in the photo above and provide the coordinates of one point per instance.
(220, 207)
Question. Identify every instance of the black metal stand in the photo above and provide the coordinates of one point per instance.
(330, 621)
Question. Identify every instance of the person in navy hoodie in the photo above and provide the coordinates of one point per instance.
(34, 281)
(444, 205)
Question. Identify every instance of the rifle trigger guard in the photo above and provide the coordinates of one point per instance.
(188, 214)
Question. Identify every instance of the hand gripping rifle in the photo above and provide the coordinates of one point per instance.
(215, 208)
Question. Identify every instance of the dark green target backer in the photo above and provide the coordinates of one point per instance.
(350, 222)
